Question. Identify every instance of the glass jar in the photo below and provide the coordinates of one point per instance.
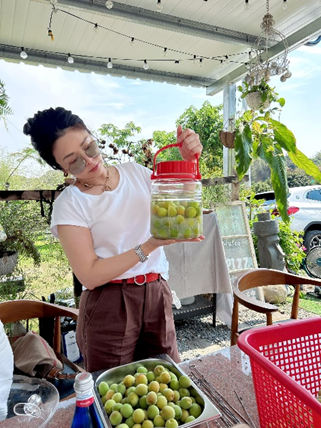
(176, 199)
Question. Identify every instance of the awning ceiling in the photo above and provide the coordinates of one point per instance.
(217, 34)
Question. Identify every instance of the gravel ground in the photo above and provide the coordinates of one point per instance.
(197, 336)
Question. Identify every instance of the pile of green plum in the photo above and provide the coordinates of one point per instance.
(151, 398)
(176, 219)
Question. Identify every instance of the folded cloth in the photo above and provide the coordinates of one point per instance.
(6, 372)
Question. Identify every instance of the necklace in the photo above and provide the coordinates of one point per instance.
(105, 186)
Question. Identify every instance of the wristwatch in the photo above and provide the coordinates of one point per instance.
(140, 253)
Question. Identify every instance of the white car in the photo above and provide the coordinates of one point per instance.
(304, 208)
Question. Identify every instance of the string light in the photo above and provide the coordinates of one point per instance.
(109, 63)
(96, 28)
(109, 4)
(165, 50)
(70, 59)
(176, 61)
(132, 41)
(159, 6)
(23, 53)
(145, 66)
(285, 4)
(247, 5)
(50, 34)
(201, 62)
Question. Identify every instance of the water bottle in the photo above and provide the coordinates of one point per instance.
(86, 413)
(176, 199)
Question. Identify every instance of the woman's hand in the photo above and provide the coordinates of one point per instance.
(153, 243)
(191, 145)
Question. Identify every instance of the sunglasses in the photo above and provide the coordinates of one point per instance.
(79, 164)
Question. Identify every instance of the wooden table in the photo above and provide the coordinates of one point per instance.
(228, 370)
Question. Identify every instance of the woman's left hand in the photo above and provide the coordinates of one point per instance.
(191, 145)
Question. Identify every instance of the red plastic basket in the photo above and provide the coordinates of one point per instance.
(286, 367)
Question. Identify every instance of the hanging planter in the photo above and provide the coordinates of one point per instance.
(8, 262)
(254, 101)
(227, 138)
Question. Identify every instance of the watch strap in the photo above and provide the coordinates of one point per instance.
(140, 253)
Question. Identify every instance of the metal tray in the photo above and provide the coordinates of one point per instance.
(116, 375)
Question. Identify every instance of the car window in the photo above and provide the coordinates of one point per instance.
(314, 194)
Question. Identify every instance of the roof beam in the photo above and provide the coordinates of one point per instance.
(51, 59)
(165, 22)
(296, 39)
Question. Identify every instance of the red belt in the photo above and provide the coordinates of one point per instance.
(138, 280)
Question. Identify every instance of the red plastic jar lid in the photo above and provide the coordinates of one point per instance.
(176, 169)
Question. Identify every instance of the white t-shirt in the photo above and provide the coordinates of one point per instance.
(6, 372)
(118, 220)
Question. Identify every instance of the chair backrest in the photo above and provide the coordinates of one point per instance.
(18, 310)
(264, 277)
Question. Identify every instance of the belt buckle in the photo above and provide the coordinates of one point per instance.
(142, 283)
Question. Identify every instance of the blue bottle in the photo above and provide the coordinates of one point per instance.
(86, 413)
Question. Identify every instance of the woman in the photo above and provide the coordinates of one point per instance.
(102, 222)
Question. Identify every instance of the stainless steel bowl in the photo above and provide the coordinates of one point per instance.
(117, 374)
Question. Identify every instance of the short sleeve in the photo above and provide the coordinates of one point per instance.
(67, 210)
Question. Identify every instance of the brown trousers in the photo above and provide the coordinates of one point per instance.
(122, 323)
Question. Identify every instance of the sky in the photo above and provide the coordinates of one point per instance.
(99, 99)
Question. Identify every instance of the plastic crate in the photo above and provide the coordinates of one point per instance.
(286, 367)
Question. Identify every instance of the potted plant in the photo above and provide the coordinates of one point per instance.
(259, 135)
(16, 243)
(259, 96)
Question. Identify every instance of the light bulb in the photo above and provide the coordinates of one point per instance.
(109, 4)
(159, 6)
(247, 5)
(165, 52)
(145, 66)
(132, 41)
(285, 4)
(96, 28)
(23, 53)
(109, 63)
(201, 62)
(194, 59)
(288, 74)
(70, 59)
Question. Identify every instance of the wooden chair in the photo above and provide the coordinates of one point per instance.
(48, 315)
(18, 310)
(257, 278)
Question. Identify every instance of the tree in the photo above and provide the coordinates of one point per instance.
(5, 110)
(207, 122)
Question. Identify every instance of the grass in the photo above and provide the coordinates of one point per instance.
(310, 304)
(52, 275)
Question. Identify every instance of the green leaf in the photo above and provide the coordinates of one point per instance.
(276, 161)
(243, 151)
(284, 136)
(301, 161)
(281, 102)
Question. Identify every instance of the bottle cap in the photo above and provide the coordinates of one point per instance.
(175, 169)
(83, 382)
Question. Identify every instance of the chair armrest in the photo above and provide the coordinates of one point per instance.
(254, 304)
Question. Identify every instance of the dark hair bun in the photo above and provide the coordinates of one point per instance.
(46, 126)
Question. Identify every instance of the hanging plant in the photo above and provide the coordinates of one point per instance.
(258, 135)
(227, 138)
(259, 96)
